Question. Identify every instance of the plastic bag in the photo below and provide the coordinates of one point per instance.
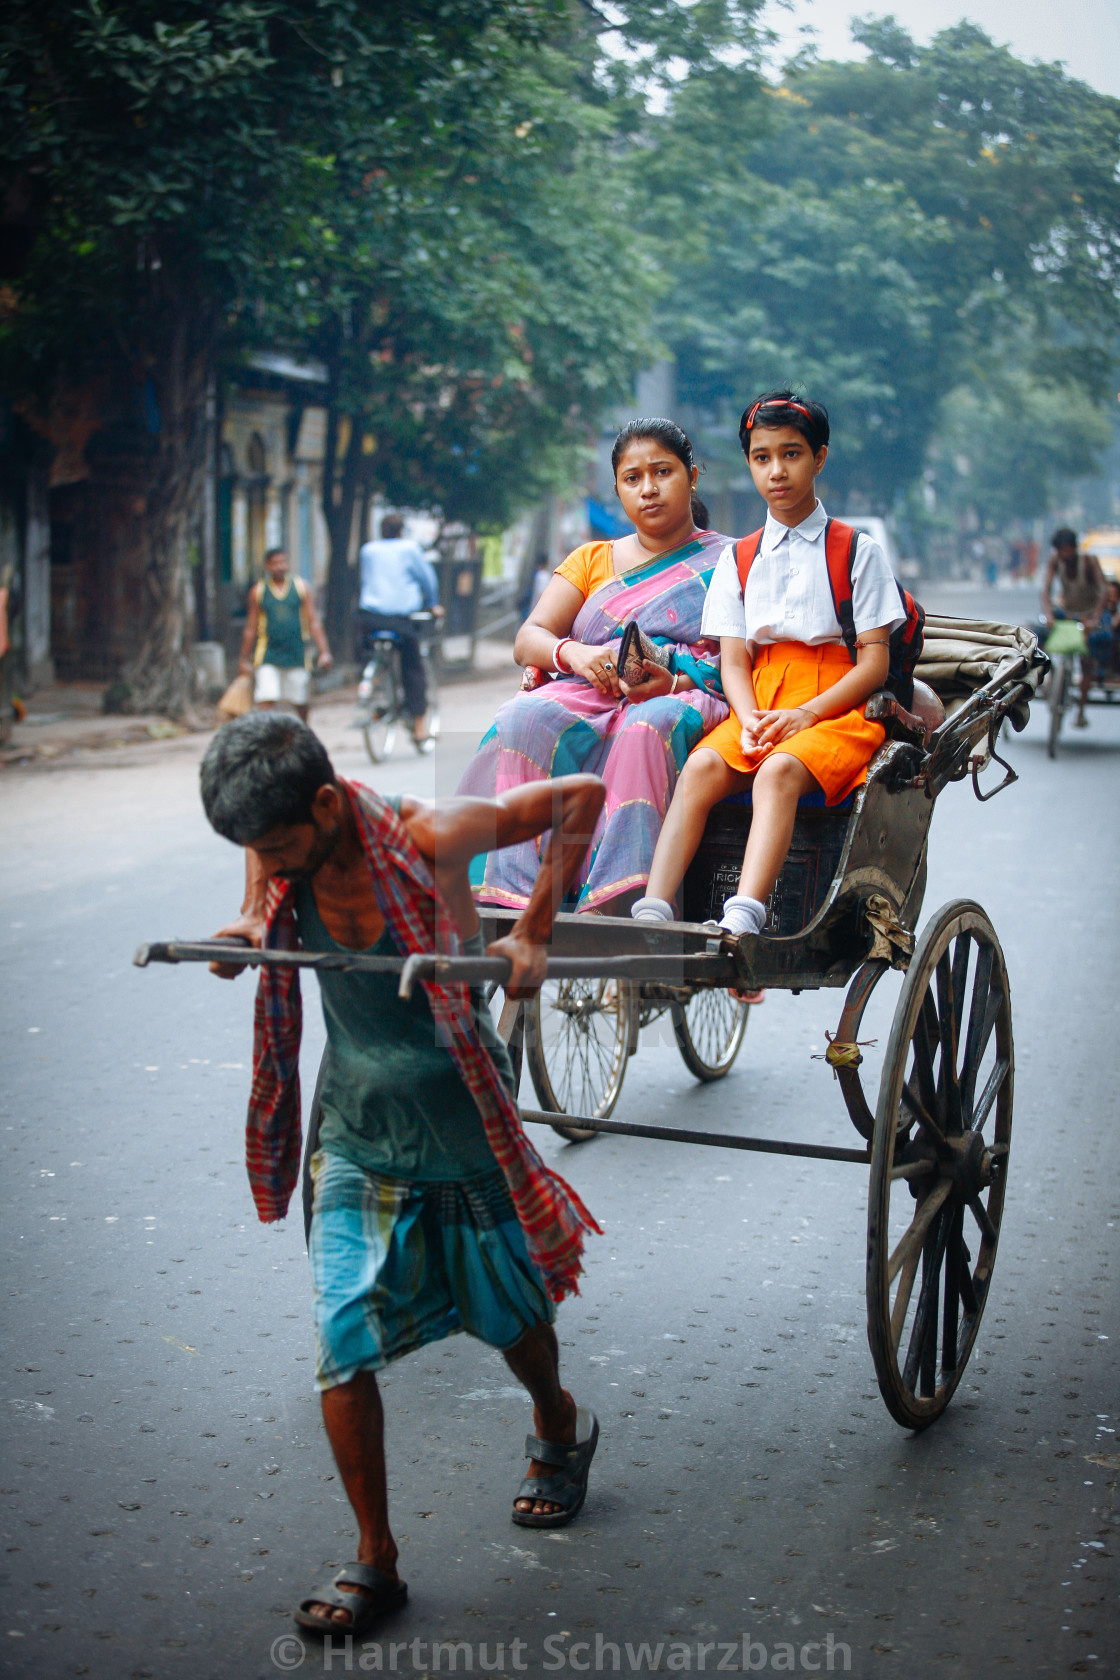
(238, 698)
(1067, 636)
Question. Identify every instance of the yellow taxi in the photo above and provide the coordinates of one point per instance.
(1104, 542)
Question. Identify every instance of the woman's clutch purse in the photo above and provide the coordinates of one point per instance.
(634, 648)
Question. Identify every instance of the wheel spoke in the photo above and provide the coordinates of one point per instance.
(960, 979)
(925, 1037)
(981, 1020)
(911, 1243)
(990, 1092)
(902, 1299)
(920, 1353)
(969, 1298)
(936, 1135)
(954, 1264)
(950, 996)
(913, 1169)
(948, 1097)
(980, 1214)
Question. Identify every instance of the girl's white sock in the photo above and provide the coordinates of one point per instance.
(742, 914)
(651, 910)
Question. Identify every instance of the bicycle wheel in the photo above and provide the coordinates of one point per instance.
(709, 1030)
(431, 676)
(577, 1040)
(1059, 687)
(381, 707)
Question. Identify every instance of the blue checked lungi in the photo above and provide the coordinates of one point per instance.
(396, 1264)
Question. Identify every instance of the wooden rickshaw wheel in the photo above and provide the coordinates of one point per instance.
(939, 1163)
(709, 1030)
(578, 1036)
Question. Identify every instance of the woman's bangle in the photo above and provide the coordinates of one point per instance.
(676, 680)
(816, 716)
(556, 665)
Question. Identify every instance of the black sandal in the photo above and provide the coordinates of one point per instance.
(380, 1595)
(568, 1488)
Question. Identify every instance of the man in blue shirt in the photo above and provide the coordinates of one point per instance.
(398, 579)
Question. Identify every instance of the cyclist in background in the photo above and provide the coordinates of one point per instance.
(398, 579)
(1081, 589)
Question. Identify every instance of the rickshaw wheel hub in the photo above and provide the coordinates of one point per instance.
(973, 1166)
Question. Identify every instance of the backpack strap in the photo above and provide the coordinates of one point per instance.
(840, 544)
(746, 552)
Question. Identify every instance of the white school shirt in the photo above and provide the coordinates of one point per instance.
(788, 597)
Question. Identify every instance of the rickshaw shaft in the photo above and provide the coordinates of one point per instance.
(678, 1134)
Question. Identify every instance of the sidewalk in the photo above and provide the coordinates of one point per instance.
(68, 718)
(65, 726)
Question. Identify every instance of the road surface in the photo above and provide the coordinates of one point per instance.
(168, 1494)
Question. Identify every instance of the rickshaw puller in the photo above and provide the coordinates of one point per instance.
(432, 1213)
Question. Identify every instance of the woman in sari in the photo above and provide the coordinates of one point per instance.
(576, 713)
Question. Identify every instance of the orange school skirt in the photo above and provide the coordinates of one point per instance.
(837, 751)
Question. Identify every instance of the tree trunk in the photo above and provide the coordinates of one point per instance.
(160, 676)
(341, 493)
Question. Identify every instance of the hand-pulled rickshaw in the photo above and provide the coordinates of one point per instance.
(844, 912)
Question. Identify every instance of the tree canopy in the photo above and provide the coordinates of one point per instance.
(905, 228)
(484, 215)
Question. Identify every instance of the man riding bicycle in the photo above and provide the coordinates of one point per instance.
(1081, 589)
(397, 580)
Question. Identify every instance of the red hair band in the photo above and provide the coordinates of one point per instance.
(775, 402)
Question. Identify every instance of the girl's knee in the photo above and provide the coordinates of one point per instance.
(704, 771)
(782, 776)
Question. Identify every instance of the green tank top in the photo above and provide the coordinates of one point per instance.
(392, 1100)
(281, 627)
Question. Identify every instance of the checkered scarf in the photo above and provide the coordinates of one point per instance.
(551, 1215)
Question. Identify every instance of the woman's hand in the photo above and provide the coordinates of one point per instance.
(596, 665)
(656, 682)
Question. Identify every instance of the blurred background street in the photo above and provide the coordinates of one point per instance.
(168, 1491)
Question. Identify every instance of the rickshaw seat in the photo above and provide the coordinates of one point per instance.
(814, 801)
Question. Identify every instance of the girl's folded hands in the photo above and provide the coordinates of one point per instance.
(766, 729)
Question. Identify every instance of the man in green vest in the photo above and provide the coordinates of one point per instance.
(282, 621)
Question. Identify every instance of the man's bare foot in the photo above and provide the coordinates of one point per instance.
(561, 1431)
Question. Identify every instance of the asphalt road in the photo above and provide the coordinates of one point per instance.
(168, 1494)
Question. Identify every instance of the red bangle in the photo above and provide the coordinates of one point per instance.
(556, 665)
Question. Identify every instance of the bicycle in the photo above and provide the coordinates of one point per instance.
(1066, 645)
(1061, 676)
(381, 691)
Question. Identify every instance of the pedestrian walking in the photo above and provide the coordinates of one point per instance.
(281, 623)
(432, 1213)
(398, 580)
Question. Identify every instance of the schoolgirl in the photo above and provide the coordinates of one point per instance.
(797, 723)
